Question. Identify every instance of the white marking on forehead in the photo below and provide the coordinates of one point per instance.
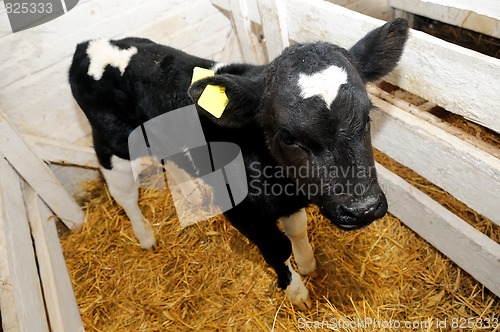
(325, 83)
(101, 54)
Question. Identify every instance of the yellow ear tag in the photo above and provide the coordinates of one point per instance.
(213, 99)
(200, 73)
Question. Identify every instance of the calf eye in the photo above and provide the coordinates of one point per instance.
(287, 138)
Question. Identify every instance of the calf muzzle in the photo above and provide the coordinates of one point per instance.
(357, 214)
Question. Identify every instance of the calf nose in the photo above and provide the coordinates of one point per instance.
(367, 209)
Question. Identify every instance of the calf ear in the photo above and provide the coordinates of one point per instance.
(242, 94)
(377, 53)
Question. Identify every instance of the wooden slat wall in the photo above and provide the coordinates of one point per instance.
(439, 156)
(466, 246)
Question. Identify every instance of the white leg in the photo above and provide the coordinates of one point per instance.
(125, 191)
(187, 185)
(295, 227)
(297, 292)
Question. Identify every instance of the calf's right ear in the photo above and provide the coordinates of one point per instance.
(242, 95)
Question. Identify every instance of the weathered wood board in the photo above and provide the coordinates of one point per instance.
(62, 308)
(476, 20)
(467, 247)
(276, 30)
(21, 294)
(439, 156)
(38, 175)
(251, 49)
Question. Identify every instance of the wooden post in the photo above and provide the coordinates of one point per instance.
(274, 24)
(248, 41)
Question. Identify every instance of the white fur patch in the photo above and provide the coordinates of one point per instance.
(124, 189)
(296, 292)
(295, 227)
(101, 54)
(325, 83)
(217, 66)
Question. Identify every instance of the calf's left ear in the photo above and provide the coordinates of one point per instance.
(377, 53)
(242, 95)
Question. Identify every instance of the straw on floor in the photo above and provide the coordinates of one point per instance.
(208, 277)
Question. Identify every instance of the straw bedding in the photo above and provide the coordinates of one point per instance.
(208, 277)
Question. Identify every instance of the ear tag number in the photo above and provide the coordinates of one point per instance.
(213, 99)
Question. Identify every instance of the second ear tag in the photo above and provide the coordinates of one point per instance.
(213, 100)
(200, 73)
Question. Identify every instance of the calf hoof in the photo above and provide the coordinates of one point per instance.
(298, 295)
(148, 244)
(314, 274)
(304, 305)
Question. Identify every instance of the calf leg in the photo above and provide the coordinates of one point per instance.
(125, 190)
(276, 249)
(295, 227)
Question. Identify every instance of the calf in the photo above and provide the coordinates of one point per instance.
(306, 110)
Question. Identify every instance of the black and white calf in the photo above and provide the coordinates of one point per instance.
(307, 109)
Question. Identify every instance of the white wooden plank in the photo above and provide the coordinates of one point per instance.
(198, 33)
(274, 24)
(38, 175)
(467, 247)
(422, 111)
(8, 312)
(456, 166)
(485, 7)
(212, 45)
(431, 68)
(467, 19)
(29, 305)
(253, 10)
(250, 46)
(54, 151)
(62, 307)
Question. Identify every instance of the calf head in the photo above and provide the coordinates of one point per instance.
(313, 109)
